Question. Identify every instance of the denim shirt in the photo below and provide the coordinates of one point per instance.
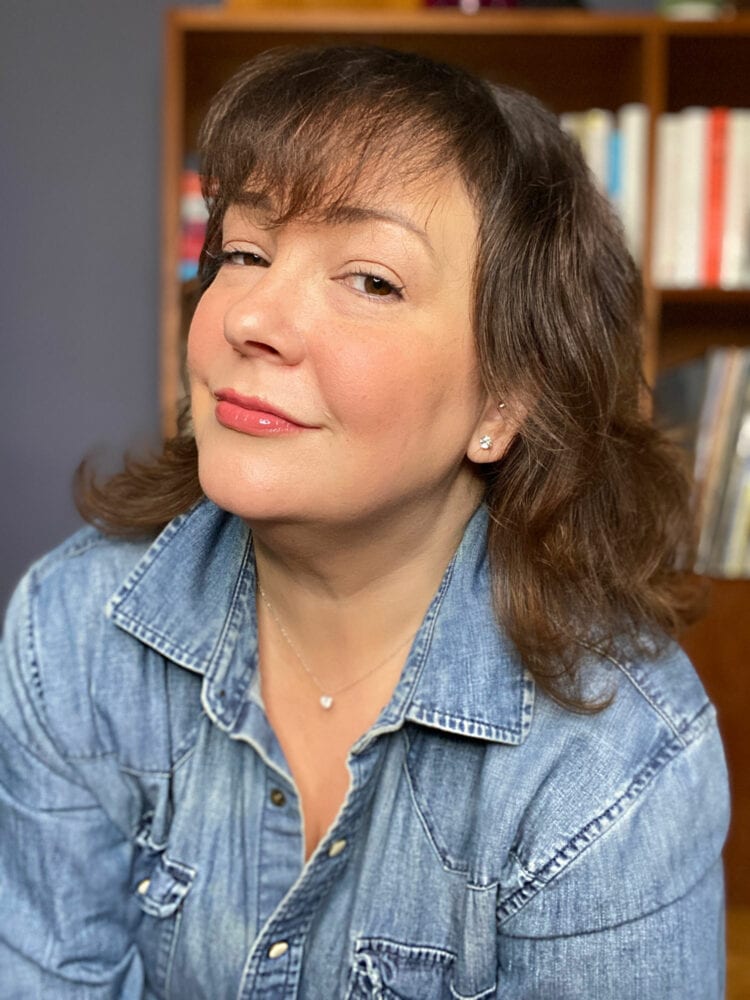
(491, 844)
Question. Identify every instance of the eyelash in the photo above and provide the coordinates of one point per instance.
(225, 257)
(397, 291)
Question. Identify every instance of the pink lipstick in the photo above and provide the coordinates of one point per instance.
(250, 415)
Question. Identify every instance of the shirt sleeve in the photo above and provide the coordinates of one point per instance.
(638, 913)
(67, 918)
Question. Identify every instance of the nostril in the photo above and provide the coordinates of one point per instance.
(256, 347)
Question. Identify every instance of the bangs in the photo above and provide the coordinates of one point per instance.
(302, 130)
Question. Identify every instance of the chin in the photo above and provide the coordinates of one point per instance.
(236, 488)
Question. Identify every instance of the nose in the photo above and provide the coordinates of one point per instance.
(266, 321)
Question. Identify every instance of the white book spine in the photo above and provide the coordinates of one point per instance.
(691, 207)
(735, 247)
(633, 125)
(571, 122)
(597, 132)
(668, 159)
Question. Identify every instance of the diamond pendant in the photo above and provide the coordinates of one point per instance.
(326, 701)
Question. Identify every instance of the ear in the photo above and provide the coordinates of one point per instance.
(494, 432)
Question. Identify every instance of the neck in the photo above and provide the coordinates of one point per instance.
(344, 591)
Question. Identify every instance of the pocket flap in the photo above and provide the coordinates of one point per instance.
(161, 893)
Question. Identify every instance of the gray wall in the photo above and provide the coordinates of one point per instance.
(80, 85)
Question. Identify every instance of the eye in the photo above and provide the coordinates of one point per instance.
(375, 286)
(241, 258)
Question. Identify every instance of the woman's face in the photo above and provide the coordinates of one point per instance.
(332, 364)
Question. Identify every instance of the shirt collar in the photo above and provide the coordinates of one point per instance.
(191, 598)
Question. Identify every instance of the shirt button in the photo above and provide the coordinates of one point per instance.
(143, 885)
(336, 848)
(277, 949)
(277, 797)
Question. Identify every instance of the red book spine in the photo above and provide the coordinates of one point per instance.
(715, 192)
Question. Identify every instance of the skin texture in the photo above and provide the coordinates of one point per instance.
(388, 384)
(360, 330)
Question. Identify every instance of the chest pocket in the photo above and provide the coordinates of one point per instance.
(387, 970)
(160, 894)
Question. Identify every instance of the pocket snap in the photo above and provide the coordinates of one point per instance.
(162, 891)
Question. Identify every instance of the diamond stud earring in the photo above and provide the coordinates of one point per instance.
(485, 442)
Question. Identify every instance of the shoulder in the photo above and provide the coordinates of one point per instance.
(635, 795)
(59, 605)
(61, 657)
(86, 565)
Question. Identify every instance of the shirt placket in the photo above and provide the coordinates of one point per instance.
(274, 964)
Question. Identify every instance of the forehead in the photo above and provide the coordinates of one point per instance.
(419, 205)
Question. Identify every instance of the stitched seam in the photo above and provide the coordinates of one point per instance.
(141, 631)
(601, 824)
(428, 832)
(514, 855)
(236, 608)
(144, 564)
(384, 944)
(447, 863)
(620, 923)
(474, 996)
(639, 688)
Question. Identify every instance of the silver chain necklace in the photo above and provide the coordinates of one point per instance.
(326, 694)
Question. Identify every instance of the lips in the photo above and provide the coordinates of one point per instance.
(254, 416)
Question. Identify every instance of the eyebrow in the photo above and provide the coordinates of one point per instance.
(345, 214)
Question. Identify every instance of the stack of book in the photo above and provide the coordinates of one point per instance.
(706, 405)
(193, 218)
(702, 199)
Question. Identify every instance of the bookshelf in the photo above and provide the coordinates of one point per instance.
(573, 61)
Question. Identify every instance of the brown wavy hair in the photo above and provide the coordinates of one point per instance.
(590, 521)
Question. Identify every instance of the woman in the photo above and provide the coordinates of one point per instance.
(387, 708)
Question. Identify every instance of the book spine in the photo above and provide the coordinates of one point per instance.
(633, 124)
(667, 185)
(726, 554)
(738, 541)
(614, 174)
(598, 125)
(719, 424)
(690, 213)
(715, 192)
(735, 250)
(193, 218)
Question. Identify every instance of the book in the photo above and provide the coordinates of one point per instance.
(632, 122)
(666, 190)
(735, 246)
(597, 127)
(193, 219)
(678, 397)
(691, 197)
(704, 405)
(720, 424)
(714, 196)
(736, 534)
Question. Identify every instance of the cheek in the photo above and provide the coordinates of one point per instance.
(205, 336)
(412, 384)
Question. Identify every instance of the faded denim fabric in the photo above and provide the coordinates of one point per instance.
(491, 844)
